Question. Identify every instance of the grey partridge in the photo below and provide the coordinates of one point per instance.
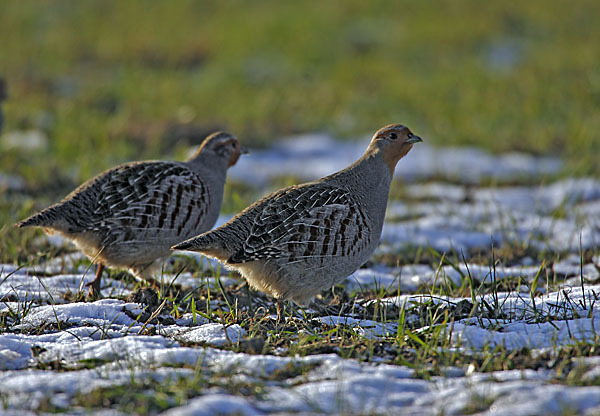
(129, 216)
(301, 240)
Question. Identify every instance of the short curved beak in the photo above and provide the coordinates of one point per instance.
(413, 139)
(244, 150)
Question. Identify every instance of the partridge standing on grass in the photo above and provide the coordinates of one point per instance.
(301, 240)
(131, 215)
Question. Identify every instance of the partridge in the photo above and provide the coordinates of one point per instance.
(129, 216)
(301, 240)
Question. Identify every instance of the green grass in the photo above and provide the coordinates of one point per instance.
(108, 82)
(113, 77)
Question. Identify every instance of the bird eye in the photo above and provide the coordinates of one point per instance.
(393, 136)
(410, 135)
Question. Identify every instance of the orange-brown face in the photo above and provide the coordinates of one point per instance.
(224, 145)
(229, 149)
(394, 141)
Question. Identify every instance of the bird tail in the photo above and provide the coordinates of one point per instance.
(40, 219)
(58, 217)
(210, 244)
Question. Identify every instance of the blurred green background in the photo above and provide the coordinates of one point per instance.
(103, 82)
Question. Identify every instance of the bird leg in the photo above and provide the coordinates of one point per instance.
(95, 284)
(280, 307)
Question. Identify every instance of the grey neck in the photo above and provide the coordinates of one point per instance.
(211, 162)
(213, 169)
(367, 174)
(369, 179)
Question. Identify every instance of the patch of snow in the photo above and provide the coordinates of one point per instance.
(213, 334)
(51, 289)
(29, 388)
(97, 314)
(139, 349)
(74, 262)
(571, 266)
(363, 327)
(349, 388)
(476, 217)
(189, 280)
(215, 403)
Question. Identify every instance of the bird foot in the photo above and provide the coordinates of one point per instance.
(94, 292)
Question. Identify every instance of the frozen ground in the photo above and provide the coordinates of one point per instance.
(60, 353)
